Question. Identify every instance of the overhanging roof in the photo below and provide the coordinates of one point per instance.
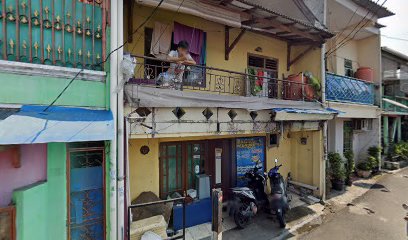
(58, 124)
(374, 7)
(260, 17)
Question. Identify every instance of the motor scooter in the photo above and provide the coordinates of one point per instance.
(279, 201)
(248, 200)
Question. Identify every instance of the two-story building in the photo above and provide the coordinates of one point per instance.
(353, 77)
(395, 101)
(55, 120)
(253, 96)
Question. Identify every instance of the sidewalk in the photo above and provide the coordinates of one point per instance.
(300, 218)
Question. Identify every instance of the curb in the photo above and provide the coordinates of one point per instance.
(316, 216)
(294, 228)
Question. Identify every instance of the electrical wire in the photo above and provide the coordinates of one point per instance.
(395, 38)
(107, 57)
(355, 27)
(346, 39)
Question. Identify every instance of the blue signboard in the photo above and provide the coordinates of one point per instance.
(250, 151)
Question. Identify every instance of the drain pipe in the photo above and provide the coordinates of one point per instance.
(120, 133)
(323, 85)
(114, 109)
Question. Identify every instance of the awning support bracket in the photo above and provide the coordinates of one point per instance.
(228, 47)
(297, 58)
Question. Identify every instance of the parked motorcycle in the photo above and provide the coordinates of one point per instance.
(279, 197)
(248, 200)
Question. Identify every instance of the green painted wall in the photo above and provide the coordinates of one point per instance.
(57, 191)
(31, 204)
(20, 89)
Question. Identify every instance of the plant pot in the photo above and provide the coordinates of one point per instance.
(364, 173)
(349, 182)
(338, 185)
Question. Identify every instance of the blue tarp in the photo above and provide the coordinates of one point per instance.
(58, 124)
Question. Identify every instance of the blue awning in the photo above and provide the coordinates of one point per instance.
(58, 124)
(299, 114)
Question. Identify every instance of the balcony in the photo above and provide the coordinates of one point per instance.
(153, 73)
(68, 33)
(395, 104)
(348, 89)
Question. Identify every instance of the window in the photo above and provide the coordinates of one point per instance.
(179, 164)
(273, 140)
(348, 68)
(263, 66)
(347, 136)
(370, 124)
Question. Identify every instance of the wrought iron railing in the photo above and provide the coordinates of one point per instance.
(70, 33)
(162, 74)
(348, 89)
(390, 107)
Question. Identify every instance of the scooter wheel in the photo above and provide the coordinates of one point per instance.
(281, 218)
(240, 220)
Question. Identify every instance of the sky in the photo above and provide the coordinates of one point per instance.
(396, 26)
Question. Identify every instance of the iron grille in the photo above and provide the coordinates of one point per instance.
(68, 33)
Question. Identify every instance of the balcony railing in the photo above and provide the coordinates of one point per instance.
(153, 72)
(68, 33)
(387, 106)
(348, 89)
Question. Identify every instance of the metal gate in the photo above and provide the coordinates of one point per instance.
(86, 199)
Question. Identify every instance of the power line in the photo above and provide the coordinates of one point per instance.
(345, 40)
(395, 38)
(107, 57)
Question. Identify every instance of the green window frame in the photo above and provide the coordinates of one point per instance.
(347, 136)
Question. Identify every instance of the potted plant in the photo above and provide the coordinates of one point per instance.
(374, 158)
(364, 169)
(349, 155)
(337, 171)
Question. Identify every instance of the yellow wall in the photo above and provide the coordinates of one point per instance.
(303, 161)
(143, 169)
(365, 52)
(215, 43)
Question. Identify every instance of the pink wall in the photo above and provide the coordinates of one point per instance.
(33, 169)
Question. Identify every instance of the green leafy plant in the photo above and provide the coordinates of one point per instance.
(400, 150)
(337, 170)
(374, 156)
(349, 155)
(365, 166)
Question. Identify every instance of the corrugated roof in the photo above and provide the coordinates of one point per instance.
(374, 7)
(288, 10)
(6, 112)
(395, 53)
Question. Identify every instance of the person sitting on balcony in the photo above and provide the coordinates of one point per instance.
(178, 58)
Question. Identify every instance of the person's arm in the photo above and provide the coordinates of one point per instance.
(189, 60)
(172, 57)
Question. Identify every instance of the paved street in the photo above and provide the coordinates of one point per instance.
(378, 214)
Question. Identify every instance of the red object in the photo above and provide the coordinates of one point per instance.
(293, 87)
(365, 73)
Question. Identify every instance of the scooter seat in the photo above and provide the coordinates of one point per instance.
(240, 189)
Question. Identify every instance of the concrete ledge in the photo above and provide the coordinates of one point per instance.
(31, 69)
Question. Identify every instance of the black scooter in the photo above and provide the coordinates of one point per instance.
(248, 200)
(279, 197)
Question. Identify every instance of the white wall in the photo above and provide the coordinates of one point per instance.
(362, 140)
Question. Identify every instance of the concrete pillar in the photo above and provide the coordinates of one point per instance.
(385, 133)
(399, 129)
